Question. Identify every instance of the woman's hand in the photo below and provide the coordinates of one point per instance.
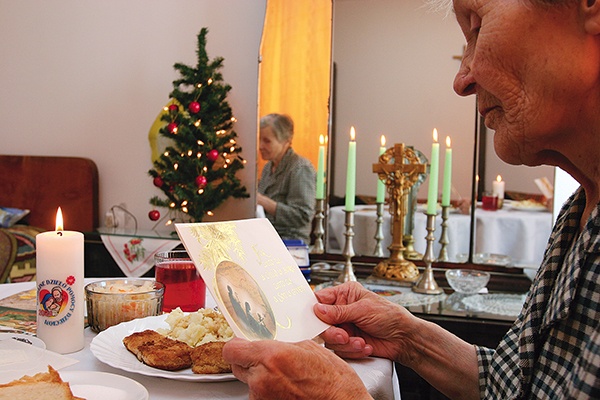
(304, 370)
(365, 323)
(268, 204)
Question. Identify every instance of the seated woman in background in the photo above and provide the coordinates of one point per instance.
(287, 185)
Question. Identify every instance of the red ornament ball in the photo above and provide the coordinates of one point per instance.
(213, 155)
(194, 107)
(154, 215)
(201, 181)
(158, 182)
(173, 107)
(172, 127)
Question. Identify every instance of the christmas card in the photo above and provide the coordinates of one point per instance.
(253, 278)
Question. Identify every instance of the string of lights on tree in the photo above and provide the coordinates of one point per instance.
(197, 170)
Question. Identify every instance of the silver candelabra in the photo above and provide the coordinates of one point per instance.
(427, 284)
(443, 256)
(378, 252)
(347, 274)
(318, 247)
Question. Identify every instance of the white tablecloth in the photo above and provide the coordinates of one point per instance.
(378, 374)
(521, 235)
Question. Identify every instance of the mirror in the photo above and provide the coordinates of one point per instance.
(394, 63)
(401, 87)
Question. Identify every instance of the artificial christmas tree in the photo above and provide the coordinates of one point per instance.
(197, 171)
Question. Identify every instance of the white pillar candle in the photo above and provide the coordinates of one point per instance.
(498, 187)
(60, 297)
(498, 190)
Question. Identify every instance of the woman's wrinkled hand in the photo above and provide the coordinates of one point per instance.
(303, 370)
(364, 323)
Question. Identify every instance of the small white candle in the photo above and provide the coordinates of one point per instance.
(60, 297)
(498, 187)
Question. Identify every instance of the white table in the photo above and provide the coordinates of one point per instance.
(520, 234)
(378, 374)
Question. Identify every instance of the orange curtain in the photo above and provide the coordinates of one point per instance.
(295, 69)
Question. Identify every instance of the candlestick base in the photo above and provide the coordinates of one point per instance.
(404, 272)
(347, 274)
(443, 256)
(409, 252)
(378, 252)
(427, 284)
(318, 246)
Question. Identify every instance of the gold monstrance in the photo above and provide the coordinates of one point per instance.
(398, 176)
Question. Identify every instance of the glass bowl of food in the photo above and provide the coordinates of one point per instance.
(112, 301)
(467, 280)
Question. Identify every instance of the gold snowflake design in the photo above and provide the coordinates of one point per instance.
(218, 242)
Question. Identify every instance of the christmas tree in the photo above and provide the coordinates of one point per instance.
(197, 170)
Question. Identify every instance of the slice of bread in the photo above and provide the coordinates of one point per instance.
(42, 385)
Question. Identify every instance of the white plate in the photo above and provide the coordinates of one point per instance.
(23, 338)
(526, 206)
(93, 385)
(108, 347)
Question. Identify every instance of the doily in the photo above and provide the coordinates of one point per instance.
(496, 303)
(410, 299)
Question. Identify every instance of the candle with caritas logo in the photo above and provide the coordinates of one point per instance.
(59, 282)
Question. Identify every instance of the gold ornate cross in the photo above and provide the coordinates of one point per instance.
(399, 176)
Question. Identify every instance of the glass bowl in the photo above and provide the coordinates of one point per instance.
(112, 301)
(467, 280)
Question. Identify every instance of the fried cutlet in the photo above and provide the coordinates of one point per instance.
(159, 351)
(208, 359)
(136, 340)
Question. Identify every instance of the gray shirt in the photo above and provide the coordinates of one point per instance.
(292, 186)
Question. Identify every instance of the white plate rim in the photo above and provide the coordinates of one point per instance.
(35, 341)
(108, 347)
(134, 389)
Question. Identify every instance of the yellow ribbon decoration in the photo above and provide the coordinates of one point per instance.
(156, 141)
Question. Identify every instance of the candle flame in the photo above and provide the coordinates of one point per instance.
(448, 142)
(435, 135)
(59, 220)
(382, 140)
(321, 140)
(352, 134)
(499, 178)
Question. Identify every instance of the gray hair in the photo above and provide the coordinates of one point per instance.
(439, 5)
(281, 124)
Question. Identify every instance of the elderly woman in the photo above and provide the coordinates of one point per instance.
(535, 68)
(287, 186)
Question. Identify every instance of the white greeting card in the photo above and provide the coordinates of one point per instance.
(253, 278)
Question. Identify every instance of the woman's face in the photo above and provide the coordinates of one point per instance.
(270, 148)
(525, 64)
